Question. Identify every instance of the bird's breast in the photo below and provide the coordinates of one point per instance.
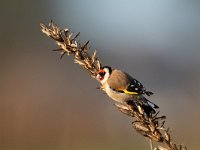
(115, 95)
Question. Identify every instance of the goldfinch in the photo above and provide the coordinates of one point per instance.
(122, 88)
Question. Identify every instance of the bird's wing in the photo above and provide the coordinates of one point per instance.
(117, 80)
(123, 82)
(136, 86)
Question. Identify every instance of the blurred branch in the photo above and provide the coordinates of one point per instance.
(148, 126)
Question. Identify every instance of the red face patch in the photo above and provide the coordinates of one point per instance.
(101, 73)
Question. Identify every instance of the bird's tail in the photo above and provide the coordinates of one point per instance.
(147, 106)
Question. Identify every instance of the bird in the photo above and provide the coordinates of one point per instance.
(124, 89)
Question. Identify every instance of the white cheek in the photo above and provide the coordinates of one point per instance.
(103, 81)
(105, 78)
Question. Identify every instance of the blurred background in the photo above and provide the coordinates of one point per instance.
(47, 103)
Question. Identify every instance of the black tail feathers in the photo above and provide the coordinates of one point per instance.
(149, 93)
(147, 106)
(148, 109)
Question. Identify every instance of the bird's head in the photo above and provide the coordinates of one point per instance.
(103, 74)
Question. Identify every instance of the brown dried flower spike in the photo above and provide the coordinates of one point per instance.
(148, 126)
(68, 44)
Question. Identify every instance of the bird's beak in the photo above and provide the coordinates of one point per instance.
(98, 77)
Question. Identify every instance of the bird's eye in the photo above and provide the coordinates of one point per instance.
(102, 73)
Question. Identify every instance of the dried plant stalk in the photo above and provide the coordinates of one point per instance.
(151, 127)
(148, 126)
(67, 44)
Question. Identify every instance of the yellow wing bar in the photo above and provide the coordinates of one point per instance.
(128, 92)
